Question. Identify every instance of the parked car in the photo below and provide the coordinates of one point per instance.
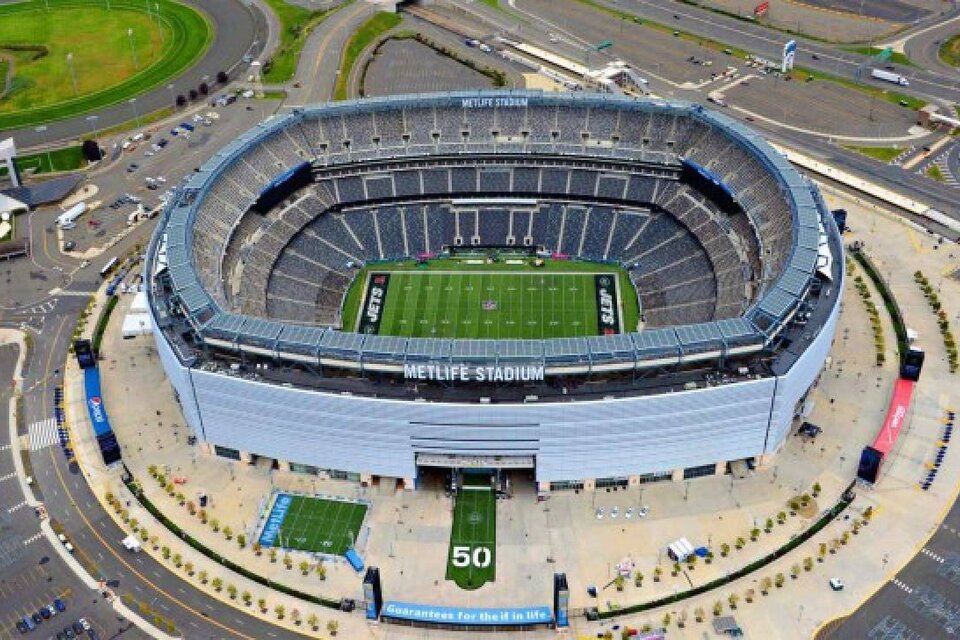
(600, 513)
(60, 606)
(836, 584)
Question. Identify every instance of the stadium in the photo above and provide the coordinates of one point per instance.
(583, 289)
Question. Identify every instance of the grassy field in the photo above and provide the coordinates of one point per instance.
(296, 23)
(369, 31)
(65, 159)
(318, 525)
(450, 298)
(895, 57)
(166, 42)
(883, 154)
(950, 51)
(934, 172)
(473, 540)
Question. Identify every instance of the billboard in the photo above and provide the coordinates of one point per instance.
(789, 53)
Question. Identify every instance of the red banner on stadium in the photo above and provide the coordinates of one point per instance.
(761, 9)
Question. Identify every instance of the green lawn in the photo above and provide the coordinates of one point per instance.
(883, 154)
(934, 172)
(319, 525)
(950, 51)
(472, 560)
(65, 159)
(369, 31)
(450, 298)
(38, 42)
(296, 23)
(895, 56)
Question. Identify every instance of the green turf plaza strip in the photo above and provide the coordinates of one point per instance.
(473, 539)
(307, 523)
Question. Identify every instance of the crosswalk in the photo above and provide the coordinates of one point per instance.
(32, 538)
(8, 476)
(43, 434)
(931, 555)
(902, 585)
(16, 506)
(4, 447)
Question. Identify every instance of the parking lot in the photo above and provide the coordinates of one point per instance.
(391, 71)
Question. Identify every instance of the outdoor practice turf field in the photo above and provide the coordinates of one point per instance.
(313, 524)
(501, 300)
(473, 540)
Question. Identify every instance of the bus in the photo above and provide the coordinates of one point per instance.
(107, 268)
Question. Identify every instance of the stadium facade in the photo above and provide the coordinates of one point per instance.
(736, 259)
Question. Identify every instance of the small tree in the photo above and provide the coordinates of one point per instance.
(321, 571)
(619, 581)
(698, 614)
(279, 610)
(768, 525)
(821, 551)
(273, 554)
(868, 513)
(182, 499)
(754, 534)
(314, 621)
(733, 599)
(91, 150)
(144, 536)
(332, 627)
(191, 507)
(181, 100)
(749, 595)
(177, 560)
(295, 616)
(246, 597)
(657, 572)
(193, 94)
(794, 571)
(232, 591)
(152, 470)
(134, 524)
(844, 538)
(125, 514)
(682, 618)
(262, 604)
(228, 532)
(638, 579)
(203, 516)
(287, 561)
(215, 524)
(154, 542)
(241, 540)
(304, 567)
(222, 77)
(778, 580)
(257, 549)
(676, 569)
(781, 517)
(165, 552)
(709, 557)
(808, 564)
(203, 576)
(691, 561)
(666, 619)
(217, 584)
(724, 549)
(717, 608)
(188, 567)
(740, 543)
(816, 489)
(765, 584)
(204, 88)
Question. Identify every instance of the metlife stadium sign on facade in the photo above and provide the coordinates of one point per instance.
(472, 373)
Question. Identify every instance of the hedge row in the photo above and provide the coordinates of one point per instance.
(135, 489)
(826, 519)
(888, 301)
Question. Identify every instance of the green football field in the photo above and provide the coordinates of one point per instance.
(323, 526)
(456, 299)
(473, 540)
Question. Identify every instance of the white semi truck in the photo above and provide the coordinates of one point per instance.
(889, 76)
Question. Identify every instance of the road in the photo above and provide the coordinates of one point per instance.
(923, 46)
(247, 25)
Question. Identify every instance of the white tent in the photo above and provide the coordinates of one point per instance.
(139, 304)
(137, 324)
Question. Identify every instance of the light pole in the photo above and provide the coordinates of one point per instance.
(133, 48)
(136, 115)
(73, 73)
(173, 98)
(95, 132)
(41, 130)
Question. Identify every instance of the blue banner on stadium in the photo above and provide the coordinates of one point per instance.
(708, 175)
(453, 616)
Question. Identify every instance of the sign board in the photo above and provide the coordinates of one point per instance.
(761, 9)
(789, 54)
(885, 54)
(473, 373)
(467, 616)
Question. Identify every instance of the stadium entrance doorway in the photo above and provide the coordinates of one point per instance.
(453, 471)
